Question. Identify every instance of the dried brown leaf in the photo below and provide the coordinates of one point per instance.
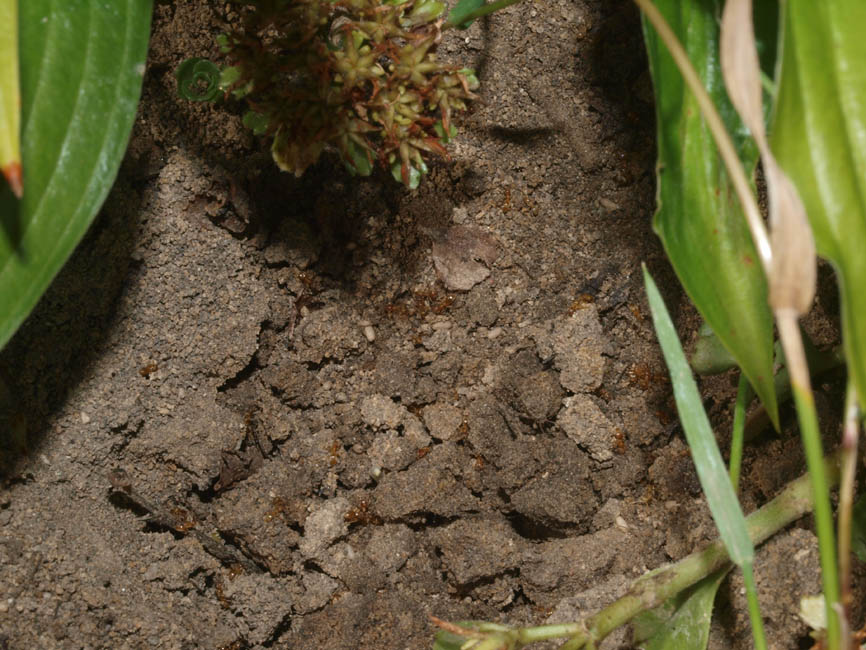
(792, 270)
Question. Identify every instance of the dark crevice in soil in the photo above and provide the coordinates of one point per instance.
(531, 529)
(284, 626)
(425, 520)
(241, 376)
(520, 599)
(236, 543)
(464, 590)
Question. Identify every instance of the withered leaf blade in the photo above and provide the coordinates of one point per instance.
(792, 272)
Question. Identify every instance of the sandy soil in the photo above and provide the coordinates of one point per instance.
(263, 412)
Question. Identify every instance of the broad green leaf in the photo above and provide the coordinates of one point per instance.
(82, 64)
(10, 98)
(709, 465)
(819, 138)
(698, 217)
(682, 623)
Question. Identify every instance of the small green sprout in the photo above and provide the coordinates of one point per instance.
(198, 80)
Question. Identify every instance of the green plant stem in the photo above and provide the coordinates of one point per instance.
(744, 396)
(726, 148)
(481, 12)
(754, 609)
(850, 434)
(819, 363)
(657, 586)
(795, 361)
(547, 632)
(654, 588)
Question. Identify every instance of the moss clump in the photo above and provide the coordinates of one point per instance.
(359, 76)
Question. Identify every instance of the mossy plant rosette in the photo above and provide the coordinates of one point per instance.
(359, 76)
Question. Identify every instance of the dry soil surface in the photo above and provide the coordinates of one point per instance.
(256, 411)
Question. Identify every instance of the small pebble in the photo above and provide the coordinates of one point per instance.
(85, 419)
(494, 332)
(369, 333)
(608, 205)
(441, 325)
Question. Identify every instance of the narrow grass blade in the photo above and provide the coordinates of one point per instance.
(705, 451)
(850, 435)
(712, 474)
(738, 431)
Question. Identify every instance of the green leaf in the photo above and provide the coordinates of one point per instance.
(82, 65)
(471, 78)
(198, 80)
(819, 138)
(698, 217)
(358, 161)
(710, 467)
(256, 122)
(440, 131)
(10, 97)
(461, 10)
(229, 76)
(414, 173)
(425, 11)
(682, 623)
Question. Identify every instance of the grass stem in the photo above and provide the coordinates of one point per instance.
(850, 433)
(754, 609)
(744, 396)
(795, 361)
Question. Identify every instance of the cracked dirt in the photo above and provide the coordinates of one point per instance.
(256, 411)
